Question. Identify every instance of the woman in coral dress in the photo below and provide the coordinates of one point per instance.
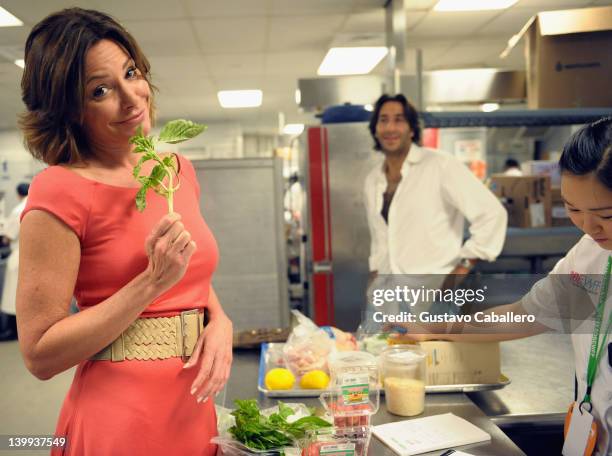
(147, 368)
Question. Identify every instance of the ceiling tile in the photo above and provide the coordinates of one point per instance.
(470, 54)
(238, 82)
(221, 65)
(235, 35)
(298, 63)
(303, 32)
(185, 86)
(32, 12)
(419, 4)
(414, 18)
(139, 10)
(168, 67)
(14, 36)
(507, 23)
(371, 21)
(250, 8)
(552, 4)
(319, 7)
(452, 23)
(280, 84)
(164, 38)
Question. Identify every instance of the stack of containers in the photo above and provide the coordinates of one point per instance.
(353, 398)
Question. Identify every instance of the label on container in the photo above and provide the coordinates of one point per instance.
(338, 449)
(355, 388)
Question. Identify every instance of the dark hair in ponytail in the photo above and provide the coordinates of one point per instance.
(589, 150)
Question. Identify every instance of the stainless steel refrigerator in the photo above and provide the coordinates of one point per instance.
(336, 161)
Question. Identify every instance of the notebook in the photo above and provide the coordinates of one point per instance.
(431, 433)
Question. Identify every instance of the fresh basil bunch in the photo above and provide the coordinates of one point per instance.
(162, 177)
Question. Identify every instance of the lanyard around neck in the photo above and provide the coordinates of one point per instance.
(597, 349)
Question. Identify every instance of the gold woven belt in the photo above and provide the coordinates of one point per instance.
(156, 338)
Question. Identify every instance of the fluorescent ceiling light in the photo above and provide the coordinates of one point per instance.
(473, 5)
(20, 63)
(240, 98)
(351, 60)
(293, 129)
(489, 107)
(8, 20)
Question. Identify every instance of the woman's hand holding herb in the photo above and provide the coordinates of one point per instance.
(169, 248)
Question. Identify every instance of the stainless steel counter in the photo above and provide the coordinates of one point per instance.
(243, 385)
(542, 372)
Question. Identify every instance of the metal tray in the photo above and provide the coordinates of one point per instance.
(265, 363)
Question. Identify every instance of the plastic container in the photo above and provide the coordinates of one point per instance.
(348, 441)
(403, 371)
(353, 363)
(347, 415)
(354, 394)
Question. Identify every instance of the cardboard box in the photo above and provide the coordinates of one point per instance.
(569, 63)
(543, 168)
(526, 198)
(555, 196)
(452, 363)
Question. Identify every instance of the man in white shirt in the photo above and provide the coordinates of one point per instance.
(512, 168)
(417, 201)
(8, 331)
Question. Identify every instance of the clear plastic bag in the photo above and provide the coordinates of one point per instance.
(307, 347)
(228, 446)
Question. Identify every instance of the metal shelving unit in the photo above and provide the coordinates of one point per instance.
(518, 118)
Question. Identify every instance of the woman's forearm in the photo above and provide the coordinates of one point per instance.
(478, 332)
(79, 336)
(491, 332)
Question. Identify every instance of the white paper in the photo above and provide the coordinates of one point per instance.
(431, 433)
(578, 434)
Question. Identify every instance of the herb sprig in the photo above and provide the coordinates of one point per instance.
(265, 433)
(162, 177)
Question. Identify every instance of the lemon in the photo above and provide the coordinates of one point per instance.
(314, 379)
(279, 379)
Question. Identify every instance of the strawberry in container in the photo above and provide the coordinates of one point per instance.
(351, 415)
(347, 415)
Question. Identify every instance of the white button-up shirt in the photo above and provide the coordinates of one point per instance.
(424, 234)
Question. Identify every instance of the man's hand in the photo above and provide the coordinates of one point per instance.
(457, 275)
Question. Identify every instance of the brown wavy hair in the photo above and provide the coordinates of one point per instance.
(410, 113)
(53, 81)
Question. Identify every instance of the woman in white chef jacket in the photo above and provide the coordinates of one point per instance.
(9, 291)
(586, 188)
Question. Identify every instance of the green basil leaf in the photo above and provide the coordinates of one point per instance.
(141, 199)
(138, 166)
(180, 130)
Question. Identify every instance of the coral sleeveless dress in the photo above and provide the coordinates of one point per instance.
(131, 407)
